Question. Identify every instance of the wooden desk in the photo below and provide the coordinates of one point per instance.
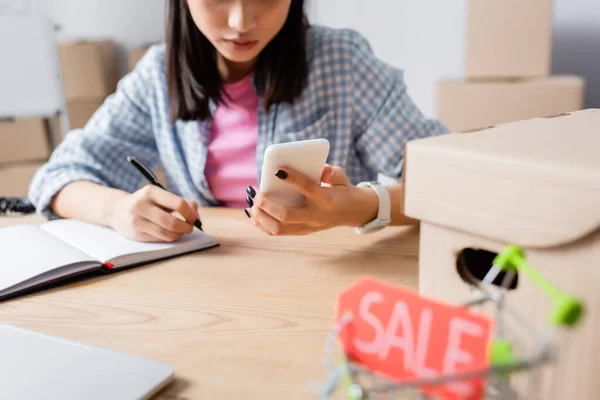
(247, 320)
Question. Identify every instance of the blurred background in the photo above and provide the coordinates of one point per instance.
(470, 63)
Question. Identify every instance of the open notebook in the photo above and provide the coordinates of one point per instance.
(38, 255)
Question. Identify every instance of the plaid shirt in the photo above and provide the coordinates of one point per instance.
(353, 99)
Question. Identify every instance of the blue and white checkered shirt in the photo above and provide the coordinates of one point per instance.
(353, 99)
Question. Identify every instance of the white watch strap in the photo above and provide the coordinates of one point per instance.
(383, 212)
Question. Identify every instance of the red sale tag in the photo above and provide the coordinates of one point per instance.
(404, 336)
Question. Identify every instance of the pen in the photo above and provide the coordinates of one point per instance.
(149, 175)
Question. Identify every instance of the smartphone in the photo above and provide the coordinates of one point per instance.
(307, 157)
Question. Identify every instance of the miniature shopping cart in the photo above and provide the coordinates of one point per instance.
(516, 351)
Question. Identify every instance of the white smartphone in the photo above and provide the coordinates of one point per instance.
(307, 157)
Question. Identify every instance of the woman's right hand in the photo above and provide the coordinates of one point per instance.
(147, 215)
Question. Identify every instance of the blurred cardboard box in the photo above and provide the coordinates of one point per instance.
(534, 183)
(23, 140)
(15, 178)
(81, 111)
(89, 69)
(464, 105)
(508, 38)
(136, 54)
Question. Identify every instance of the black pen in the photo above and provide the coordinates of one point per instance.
(149, 175)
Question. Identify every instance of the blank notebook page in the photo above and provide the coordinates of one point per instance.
(105, 244)
(28, 251)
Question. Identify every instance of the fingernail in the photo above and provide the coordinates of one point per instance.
(281, 174)
(247, 213)
(249, 201)
(251, 192)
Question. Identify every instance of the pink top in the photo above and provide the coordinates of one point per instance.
(231, 160)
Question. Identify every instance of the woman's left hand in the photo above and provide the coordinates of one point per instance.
(335, 202)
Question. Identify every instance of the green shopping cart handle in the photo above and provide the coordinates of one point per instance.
(500, 353)
(567, 309)
(353, 390)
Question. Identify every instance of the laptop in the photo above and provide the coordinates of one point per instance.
(37, 366)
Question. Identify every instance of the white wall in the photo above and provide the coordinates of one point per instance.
(577, 43)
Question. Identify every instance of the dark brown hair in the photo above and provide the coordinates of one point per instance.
(193, 78)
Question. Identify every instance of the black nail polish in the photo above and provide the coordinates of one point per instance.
(247, 213)
(251, 192)
(281, 174)
(249, 201)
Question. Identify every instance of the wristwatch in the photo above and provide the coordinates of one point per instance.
(383, 218)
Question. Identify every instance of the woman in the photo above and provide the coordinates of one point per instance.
(233, 77)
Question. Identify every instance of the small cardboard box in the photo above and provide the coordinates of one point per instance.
(89, 69)
(15, 178)
(81, 111)
(464, 105)
(23, 140)
(533, 183)
(508, 38)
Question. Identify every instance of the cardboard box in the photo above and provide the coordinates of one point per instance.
(508, 38)
(464, 105)
(15, 178)
(89, 69)
(533, 183)
(135, 55)
(23, 140)
(81, 111)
